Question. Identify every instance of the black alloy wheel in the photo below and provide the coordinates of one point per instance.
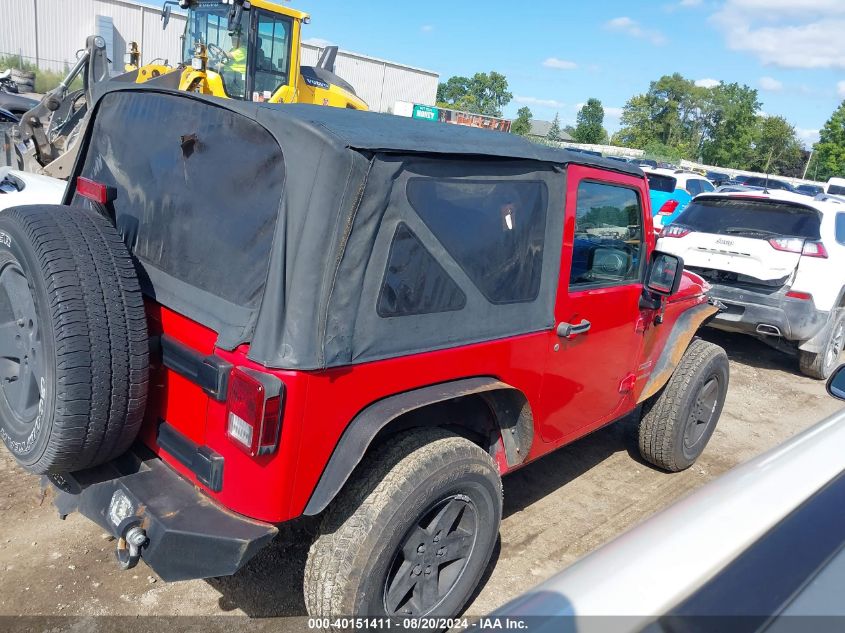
(21, 350)
(702, 413)
(432, 557)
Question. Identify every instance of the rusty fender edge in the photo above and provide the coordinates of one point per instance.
(189, 535)
(682, 334)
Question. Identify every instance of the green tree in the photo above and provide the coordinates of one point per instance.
(670, 113)
(829, 153)
(730, 125)
(554, 133)
(483, 93)
(522, 123)
(777, 148)
(590, 123)
(716, 125)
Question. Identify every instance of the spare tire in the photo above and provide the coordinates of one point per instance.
(19, 75)
(74, 350)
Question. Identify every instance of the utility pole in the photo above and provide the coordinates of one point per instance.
(807, 166)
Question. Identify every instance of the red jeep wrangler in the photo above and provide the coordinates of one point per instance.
(245, 313)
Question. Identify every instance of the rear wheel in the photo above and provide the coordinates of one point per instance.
(677, 424)
(820, 366)
(73, 339)
(411, 534)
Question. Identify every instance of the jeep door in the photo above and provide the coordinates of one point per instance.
(593, 350)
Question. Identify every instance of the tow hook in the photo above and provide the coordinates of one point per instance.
(129, 546)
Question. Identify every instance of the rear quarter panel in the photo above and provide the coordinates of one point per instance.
(824, 278)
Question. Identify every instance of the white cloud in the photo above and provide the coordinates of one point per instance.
(632, 27)
(840, 89)
(427, 28)
(613, 113)
(559, 64)
(319, 42)
(786, 33)
(770, 84)
(809, 137)
(542, 103)
(707, 83)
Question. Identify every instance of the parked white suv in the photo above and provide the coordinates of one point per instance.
(18, 188)
(689, 181)
(777, 262)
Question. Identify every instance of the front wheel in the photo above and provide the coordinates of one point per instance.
(677, 423)
(412, 532)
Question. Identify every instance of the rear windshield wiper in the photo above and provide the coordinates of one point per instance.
(739, 229)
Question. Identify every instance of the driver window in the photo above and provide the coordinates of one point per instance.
(272, 53)
(608, 236)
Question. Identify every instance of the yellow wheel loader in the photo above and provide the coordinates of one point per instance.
(235, 49)
(248, 50)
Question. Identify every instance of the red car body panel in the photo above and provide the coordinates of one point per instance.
(573, 385)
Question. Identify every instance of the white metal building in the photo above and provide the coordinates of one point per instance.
(49, 32)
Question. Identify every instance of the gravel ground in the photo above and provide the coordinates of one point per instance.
(556, 510)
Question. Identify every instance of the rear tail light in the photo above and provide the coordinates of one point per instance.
(668, 207)
(94, 191)
(814, 249)
(797, 245)
(254, 415)
(787, 244)
(803, 296)
(674, 231)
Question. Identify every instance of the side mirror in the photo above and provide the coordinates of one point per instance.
(165, 15)
(664, 274)
(836, 384)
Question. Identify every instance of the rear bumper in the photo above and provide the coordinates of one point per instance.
(753, 312)
(189, 536)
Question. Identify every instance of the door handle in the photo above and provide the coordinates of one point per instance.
(565, 330)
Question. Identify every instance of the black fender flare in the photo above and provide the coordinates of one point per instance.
(683, 332)
(508, 404)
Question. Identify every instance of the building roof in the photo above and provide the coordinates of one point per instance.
(541, 128)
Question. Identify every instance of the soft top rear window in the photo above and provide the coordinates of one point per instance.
(659, 182)
(751, 218)
(197, 200)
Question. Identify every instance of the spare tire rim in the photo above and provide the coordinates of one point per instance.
(432, 557)
(703, 412)
(21, 351)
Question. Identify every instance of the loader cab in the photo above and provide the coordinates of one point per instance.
(254, 50)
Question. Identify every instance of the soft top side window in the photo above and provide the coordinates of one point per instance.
(608, 247)
(493, 229)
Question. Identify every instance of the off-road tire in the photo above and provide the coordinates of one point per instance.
(362, 532)
(94, 350)
(669, 415)
(820, 366)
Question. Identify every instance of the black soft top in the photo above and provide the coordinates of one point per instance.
(280, 225)
(377, 132)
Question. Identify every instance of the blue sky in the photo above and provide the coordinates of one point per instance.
(557, 54)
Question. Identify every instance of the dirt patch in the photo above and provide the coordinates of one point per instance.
(556, 510)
